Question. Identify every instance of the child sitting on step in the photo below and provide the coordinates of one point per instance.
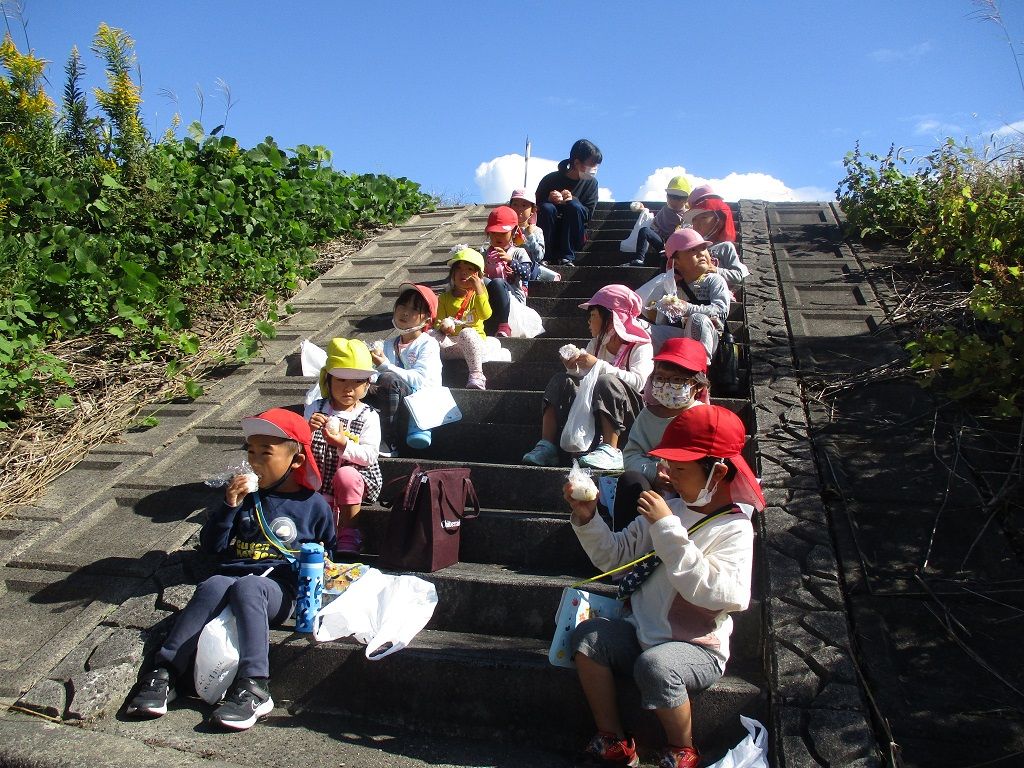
(405, 364)
(528, 235)
(621, 351)
(673, 638)
(508, 267)
(346, 438)
(461, 312)
(679, 382)
(255, 580)
(689, 299)
(666, 221)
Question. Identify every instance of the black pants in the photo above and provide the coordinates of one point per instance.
(628, 488)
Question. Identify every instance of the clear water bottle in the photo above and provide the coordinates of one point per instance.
(311, 586)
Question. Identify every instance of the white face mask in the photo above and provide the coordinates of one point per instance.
(705, 493)
(404, 330)
(588, 172)
(674, 396)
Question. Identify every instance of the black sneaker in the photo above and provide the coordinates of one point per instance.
(247, 700)
(155, 692)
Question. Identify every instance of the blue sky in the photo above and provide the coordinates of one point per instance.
(761, 98)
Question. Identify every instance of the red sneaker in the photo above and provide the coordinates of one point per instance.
(504, 331)
(679, 757)
(606, 750)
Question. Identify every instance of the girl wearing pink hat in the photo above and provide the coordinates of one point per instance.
(690, 300)
(621, 351)
(673, 638)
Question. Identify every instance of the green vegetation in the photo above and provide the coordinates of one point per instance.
(106, 232)
(955, 210)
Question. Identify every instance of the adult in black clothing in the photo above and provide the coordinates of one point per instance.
(566, 200)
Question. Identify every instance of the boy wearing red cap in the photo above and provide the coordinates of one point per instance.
(256, 580)
(674, 636)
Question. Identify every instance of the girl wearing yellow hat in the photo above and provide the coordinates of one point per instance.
(346, 437)
(461, 311)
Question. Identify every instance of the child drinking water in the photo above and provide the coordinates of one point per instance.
(255, 579)
(346, 438)
(673, 639)
(406, 364)
(461, 311)
(621, 351)
(690, 299)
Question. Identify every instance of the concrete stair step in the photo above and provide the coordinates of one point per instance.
(480, 686)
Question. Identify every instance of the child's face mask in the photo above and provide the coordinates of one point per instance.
(705, 494)
(674, 396)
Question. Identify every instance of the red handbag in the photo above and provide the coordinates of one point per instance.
(424, 529)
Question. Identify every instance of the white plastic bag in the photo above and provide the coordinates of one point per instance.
(432, 407)
(580, 427)
(752, 752)
(216, 657)
(313, 358)
(524, 321)
(629, 244)
(381, 610)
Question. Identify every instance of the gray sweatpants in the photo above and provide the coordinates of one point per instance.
(665, 674)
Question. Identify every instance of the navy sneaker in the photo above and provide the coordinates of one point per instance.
(155, 691)
(247, 700)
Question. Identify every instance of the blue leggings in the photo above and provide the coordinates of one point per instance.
(256, 601)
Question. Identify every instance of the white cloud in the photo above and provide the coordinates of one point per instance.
(890, 55)
(1011, 129)
(734, 186)
(932, 127)
(498, 177)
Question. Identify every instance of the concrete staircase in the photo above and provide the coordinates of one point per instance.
(480, 667)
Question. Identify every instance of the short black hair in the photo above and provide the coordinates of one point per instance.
(415, 298)
(585, 151)
(709, 462)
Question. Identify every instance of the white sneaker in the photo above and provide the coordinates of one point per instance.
(604, 457)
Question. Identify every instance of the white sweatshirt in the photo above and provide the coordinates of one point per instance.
(701, 580)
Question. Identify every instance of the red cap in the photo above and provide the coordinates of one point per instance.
(428, 296)
(280, 422)
(502, 219)
(686, 353)
(710, 430)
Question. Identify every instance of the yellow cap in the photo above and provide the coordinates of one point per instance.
(346, 359)
(679, 186)
(465, 253)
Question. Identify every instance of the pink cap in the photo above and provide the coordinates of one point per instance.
(522, 194)
(698, 194)
(625, 306)
(684, 240)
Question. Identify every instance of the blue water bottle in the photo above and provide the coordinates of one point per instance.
(311, 586)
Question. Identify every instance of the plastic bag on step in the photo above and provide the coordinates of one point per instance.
(646, 217)
(216, 657)
(752, 752)
(383, 611)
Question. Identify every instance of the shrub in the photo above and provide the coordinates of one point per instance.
(958, 211)
(142, 237)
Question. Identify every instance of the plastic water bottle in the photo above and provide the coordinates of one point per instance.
(311, 586)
